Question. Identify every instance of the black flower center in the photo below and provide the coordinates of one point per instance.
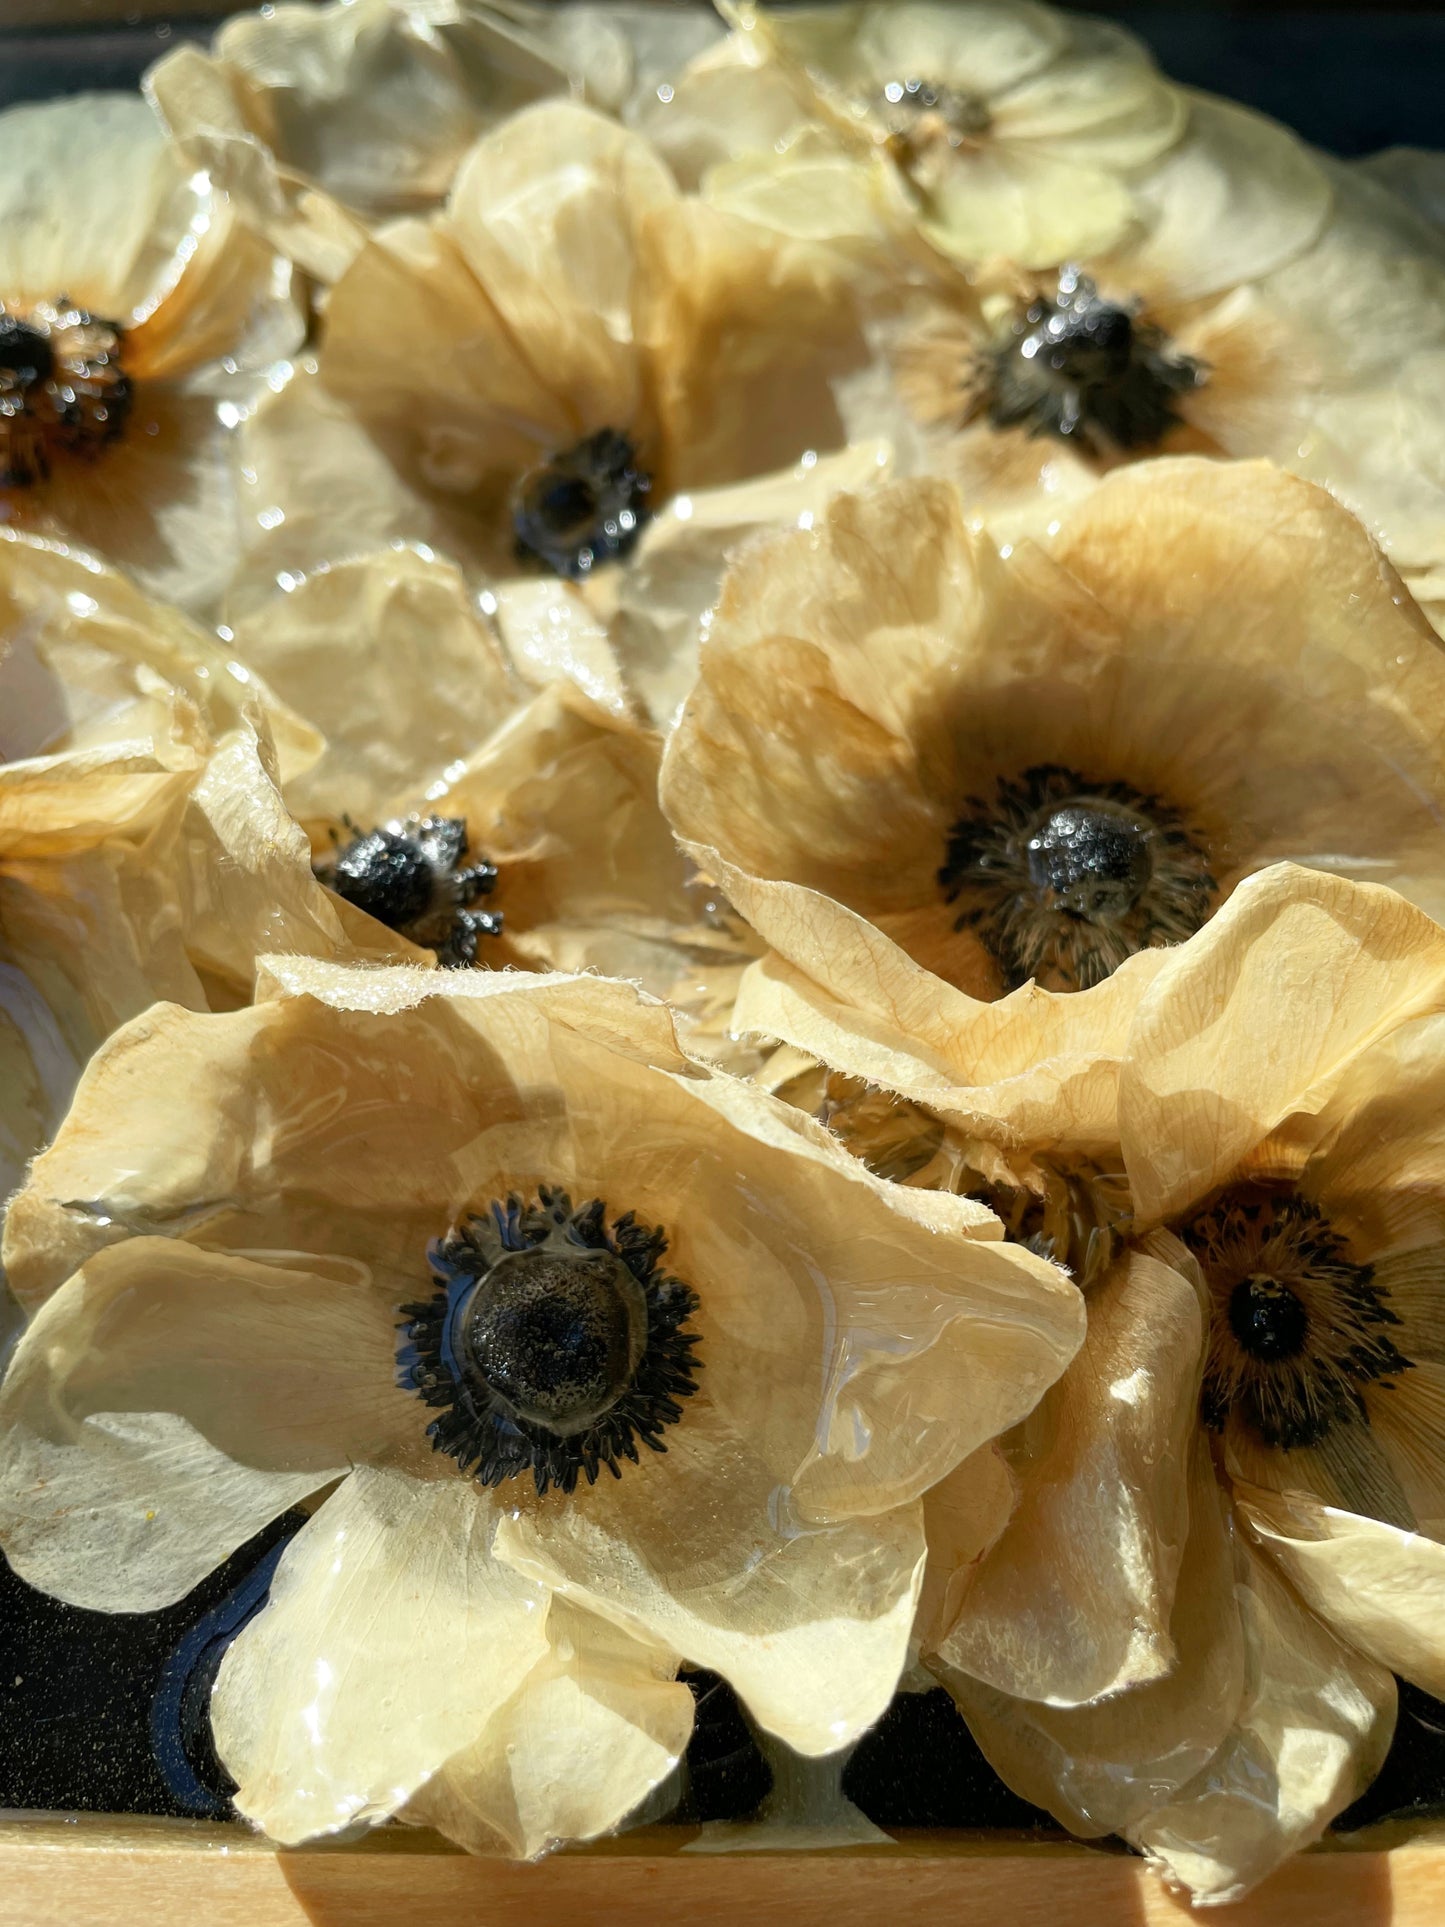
(583, 506)
(1298, 1326)
(412, 876)
(1088, 370)
(64, 393)
(1267, 1318)
(555, 1344)
(1062, 878)
(556, 1336)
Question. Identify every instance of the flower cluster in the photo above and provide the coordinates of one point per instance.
(722, 907)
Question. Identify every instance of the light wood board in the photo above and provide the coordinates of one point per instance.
(85, 1872)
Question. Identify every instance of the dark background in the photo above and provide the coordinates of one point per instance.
(1351, 78)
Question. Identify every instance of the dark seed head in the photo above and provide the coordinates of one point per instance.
(1091, 859)
(555, 1345)
(1267, 1318)
(387, 875)
(26, 357)
(64, 392)
(583, 506)
(1087, 370)
(1062, 878)
(557, 1336)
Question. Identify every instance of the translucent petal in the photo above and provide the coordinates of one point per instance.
(1381, 1589)
(1313, 1731)
(596, 1725)
(1098, 1768)
(168, 1401)
(390, 1641)
(1074, 1602)
(810, 1626)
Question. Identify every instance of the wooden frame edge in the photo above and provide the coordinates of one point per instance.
(89, 1871)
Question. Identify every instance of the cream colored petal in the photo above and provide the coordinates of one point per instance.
(206, 112)
(1099, 1768)
(564, 800)
(1238, 196)
(1358, 790)
(932, 1336)
(81, 205)
(1102, 102)
(167, 1402)
(1074, 1602)
(823, 788)
(467, 407)
(596, 1725)
(546, 213)
(1037, 1069)
(246, 882)
(1016, 200)
(810, 1627)
(316, 489)
(677, 568)
(721, 105)
(964, 1516)
(552, 633)
(1381, 1589)
(1258, 1017)
(1313, 1732)
(391, 1638)
(94, 653)
(389, 659)
(346, 1115)
(977, 46)
(752, 335)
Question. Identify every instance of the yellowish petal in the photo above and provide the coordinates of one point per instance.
(1258, 1017)
(596, 1725)
(1074, 1602)
(391, 1639)
(1238, 196)
(1313, 1731)
(1102, 1767)
(1036, 1070)
(151, 1427)
(389, 659)
(811, 1629)
(1381, 1589)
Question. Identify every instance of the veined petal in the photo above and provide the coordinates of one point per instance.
(1102, 1767)
(1074, 1602)
(1237, 196)
(168, 1401)
(1381, 1589)
(1313, 1731)
(1258, 1017)
(809, 1624)
(391, 1639)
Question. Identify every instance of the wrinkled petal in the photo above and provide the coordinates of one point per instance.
(388, 659)
(1074, 1602)
(1381, 1589)
(595, 1726)
(1313, 1731)
(811, 1628)
(1258, 1017)
(1102, 1767)
(151, 1426)
(390, 1640)
(1238, 196)
(964, 1516)
(1036, 1069)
